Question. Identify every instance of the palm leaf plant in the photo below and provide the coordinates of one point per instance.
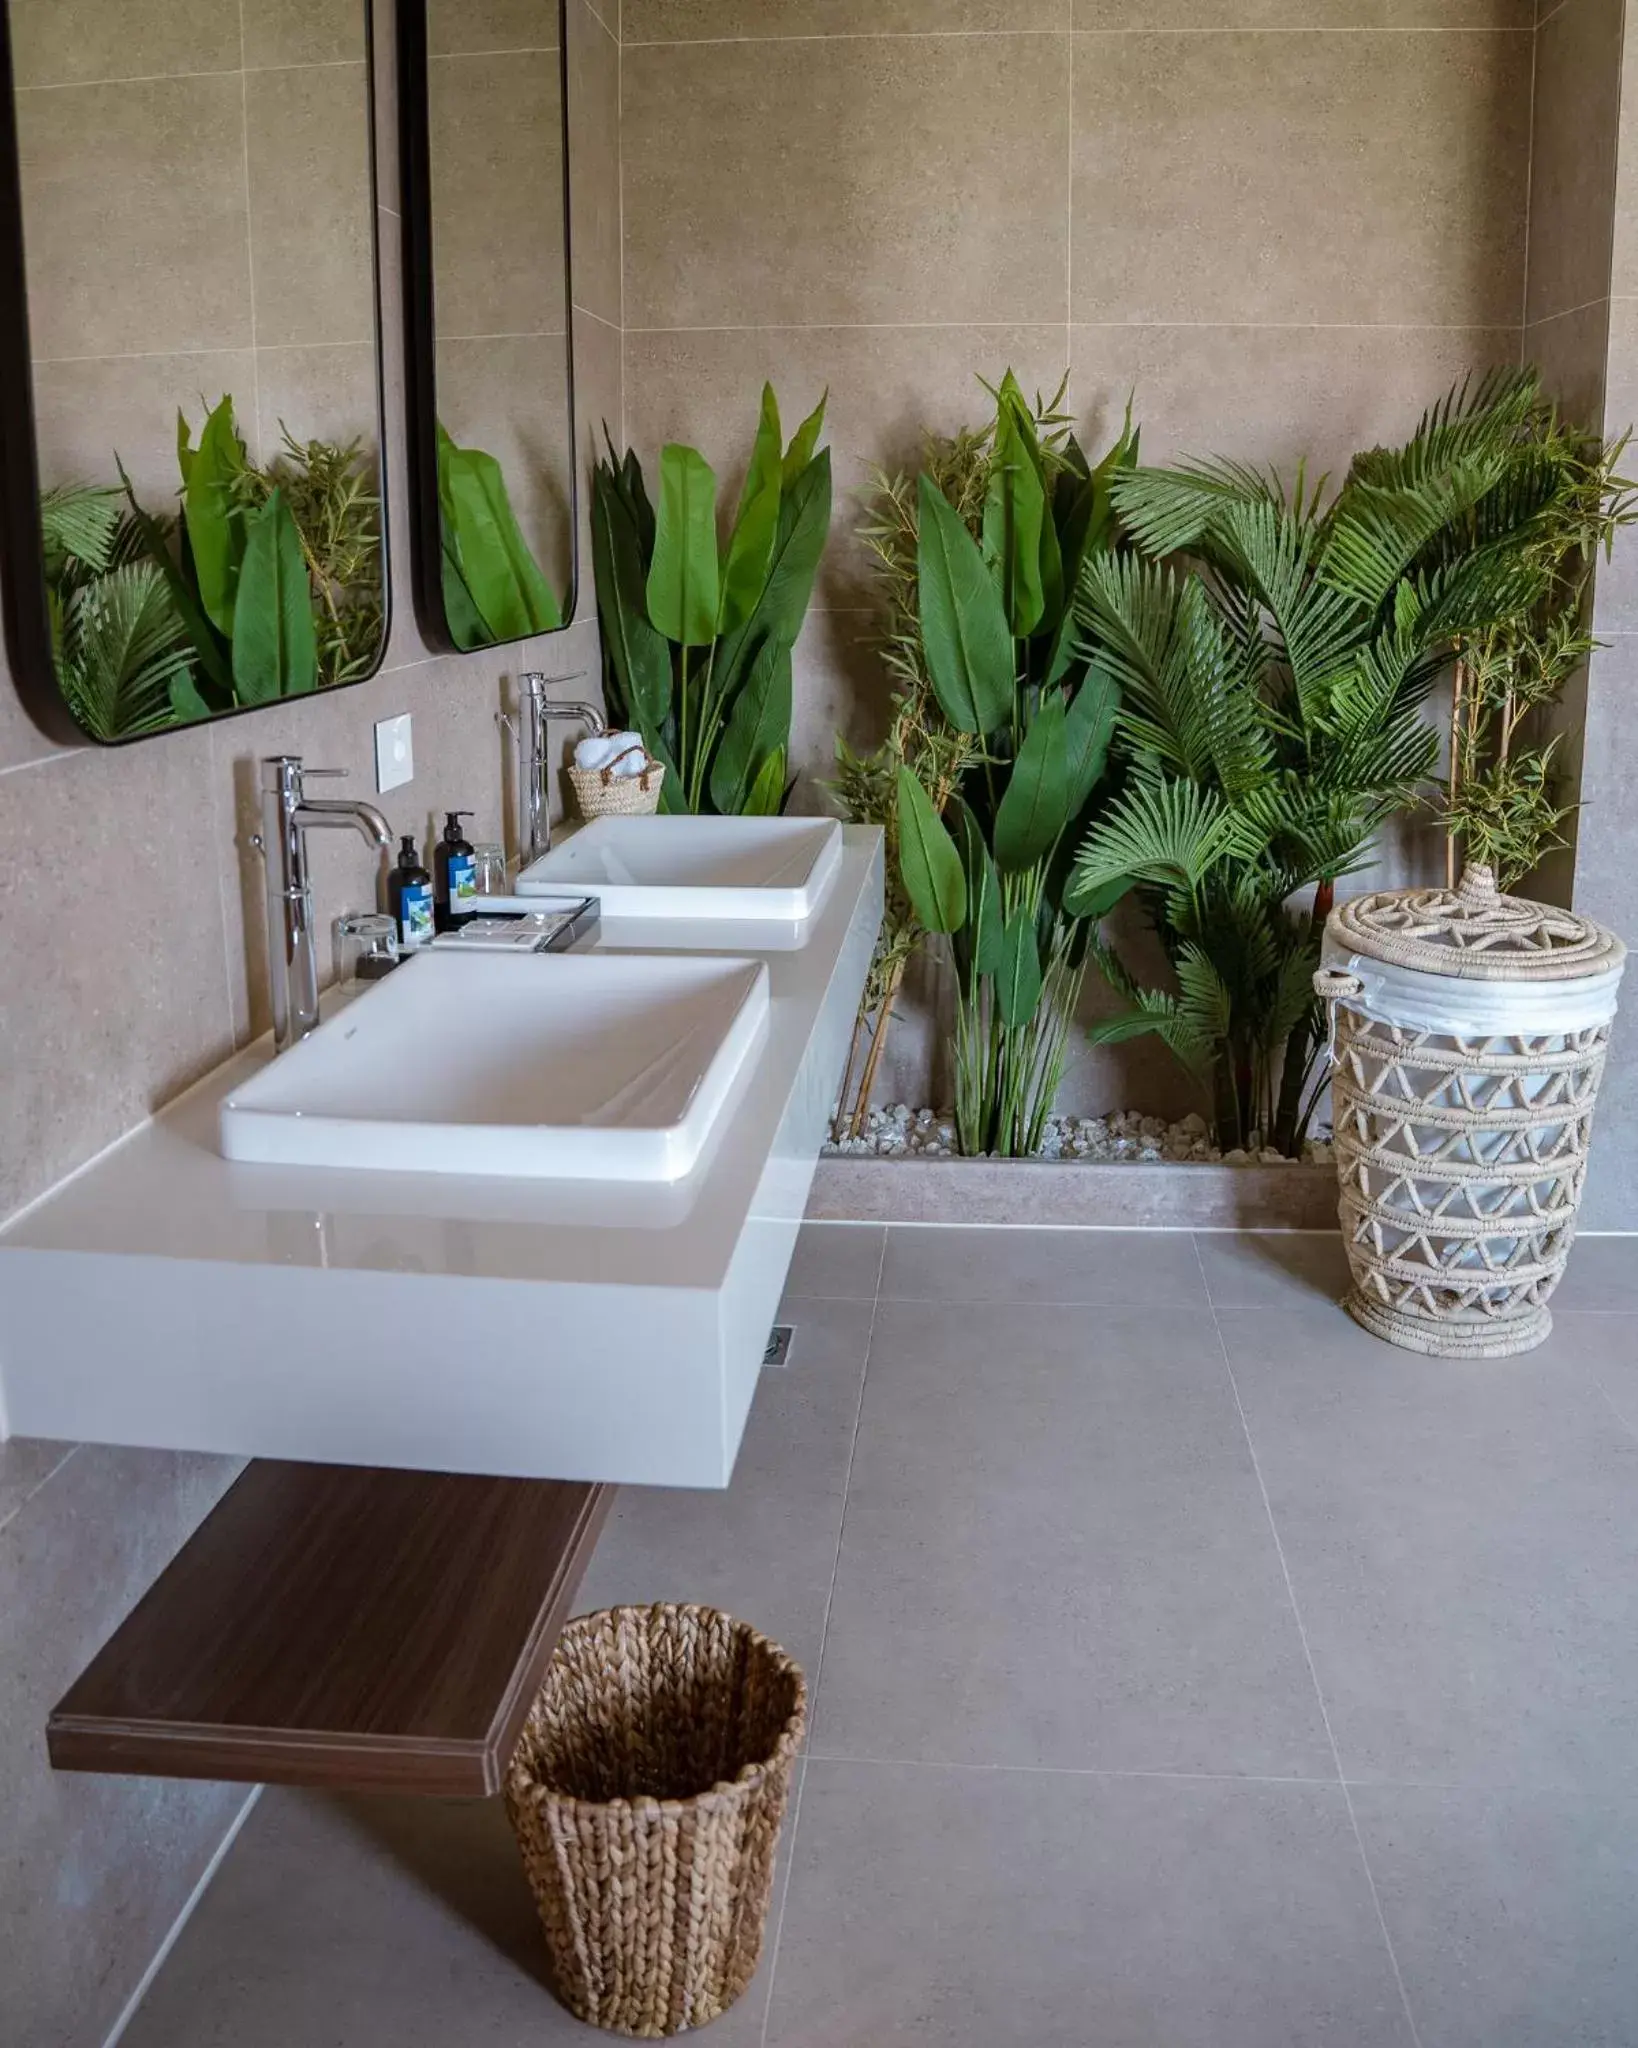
(119, 645)
(697, 636)
(1272, 688)
(982, 854)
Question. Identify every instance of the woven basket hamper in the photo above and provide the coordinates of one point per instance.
(646, 1794)
(1468, 1037)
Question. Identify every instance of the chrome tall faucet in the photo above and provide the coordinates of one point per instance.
(535, 712)
(288, 815)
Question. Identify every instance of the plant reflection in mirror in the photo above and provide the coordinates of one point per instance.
(268, 585)
(493, 587)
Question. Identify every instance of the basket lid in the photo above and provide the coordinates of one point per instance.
(1475, 933)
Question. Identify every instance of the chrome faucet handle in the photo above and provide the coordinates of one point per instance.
(342, 772)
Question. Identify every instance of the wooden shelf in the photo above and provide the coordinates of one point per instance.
(333, 1625)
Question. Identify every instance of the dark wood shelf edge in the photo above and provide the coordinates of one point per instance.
(340, 1627)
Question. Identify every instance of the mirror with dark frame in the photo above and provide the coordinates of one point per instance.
(483, 103)
(190, 391)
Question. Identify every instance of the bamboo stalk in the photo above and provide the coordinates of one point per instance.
(867, 1081)
(1457, 715)
(843, 1117)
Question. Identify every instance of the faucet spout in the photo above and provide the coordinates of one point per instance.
(365, 819)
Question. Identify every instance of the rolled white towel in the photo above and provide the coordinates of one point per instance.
(598, 750)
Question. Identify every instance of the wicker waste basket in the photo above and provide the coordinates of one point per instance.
(646, 1795)
(1468, 1038)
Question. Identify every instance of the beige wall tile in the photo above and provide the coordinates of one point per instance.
(594, 182)
(305, 31)
(312, 215)
(68, 42)
(510, 398)
(1572, 162)
(599, 398)
(324, 394)
(931, 185)
(455, 26)
(1624, 249)
(136, 1006)
(138, 245)
(683, 21)
(497, 195)
(608, 13)
(1340, 178)
(1307, 14)
(839, 689)
(1615, 596)
(1272, 394)
(887, 386)
(76, 1908)
(1570, 353)
(86, 413)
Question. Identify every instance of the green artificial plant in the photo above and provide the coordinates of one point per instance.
(1034, 710)
(493, 586)
(1273, 687)
(697, 636)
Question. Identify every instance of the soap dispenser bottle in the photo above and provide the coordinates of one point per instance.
(409, 897)
(456, 899)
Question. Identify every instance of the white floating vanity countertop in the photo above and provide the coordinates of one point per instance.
(167, 1296)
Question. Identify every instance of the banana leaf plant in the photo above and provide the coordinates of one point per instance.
(1010, 669)
(493, 586)
(697, 637)
(236, 575)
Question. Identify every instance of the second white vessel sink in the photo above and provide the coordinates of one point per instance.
(751, 869)
(565, 1066)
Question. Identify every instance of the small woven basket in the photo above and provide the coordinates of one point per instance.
(601, 793)
(1469, 1031)
(646, 1794)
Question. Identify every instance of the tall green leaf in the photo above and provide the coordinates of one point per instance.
(215, 515)
(639, 659)
(756, 524)
(1035, 807)
(274, 650)
(682, 578)
(1089, 726)
(929, 865)
(804, 528)
(759, 726)
(979, 941)
(215, 676)
(964, 629)
(512, 596)
(767, 793)
(1018, 978)
(804, 441)
(1014, 518)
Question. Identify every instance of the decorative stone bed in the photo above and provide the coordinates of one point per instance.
(1125, 1169)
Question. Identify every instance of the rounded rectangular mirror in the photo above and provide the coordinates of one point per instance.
(483, 105)
(190, 398)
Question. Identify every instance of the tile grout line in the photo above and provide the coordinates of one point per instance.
(819, 1664)
(1111, 326)
(37, 1488)
(1529, 190)
(925, 1763)
(1017, 35)
(1308, 1658)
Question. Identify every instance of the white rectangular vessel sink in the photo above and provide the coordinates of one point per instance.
(751, 869)
(548, 1066)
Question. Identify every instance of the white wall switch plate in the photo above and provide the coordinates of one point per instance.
(394, 753)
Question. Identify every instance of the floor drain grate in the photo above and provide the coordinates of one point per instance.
(779, 1345)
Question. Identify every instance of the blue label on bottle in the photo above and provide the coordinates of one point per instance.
(463, 884)
(415, 915)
